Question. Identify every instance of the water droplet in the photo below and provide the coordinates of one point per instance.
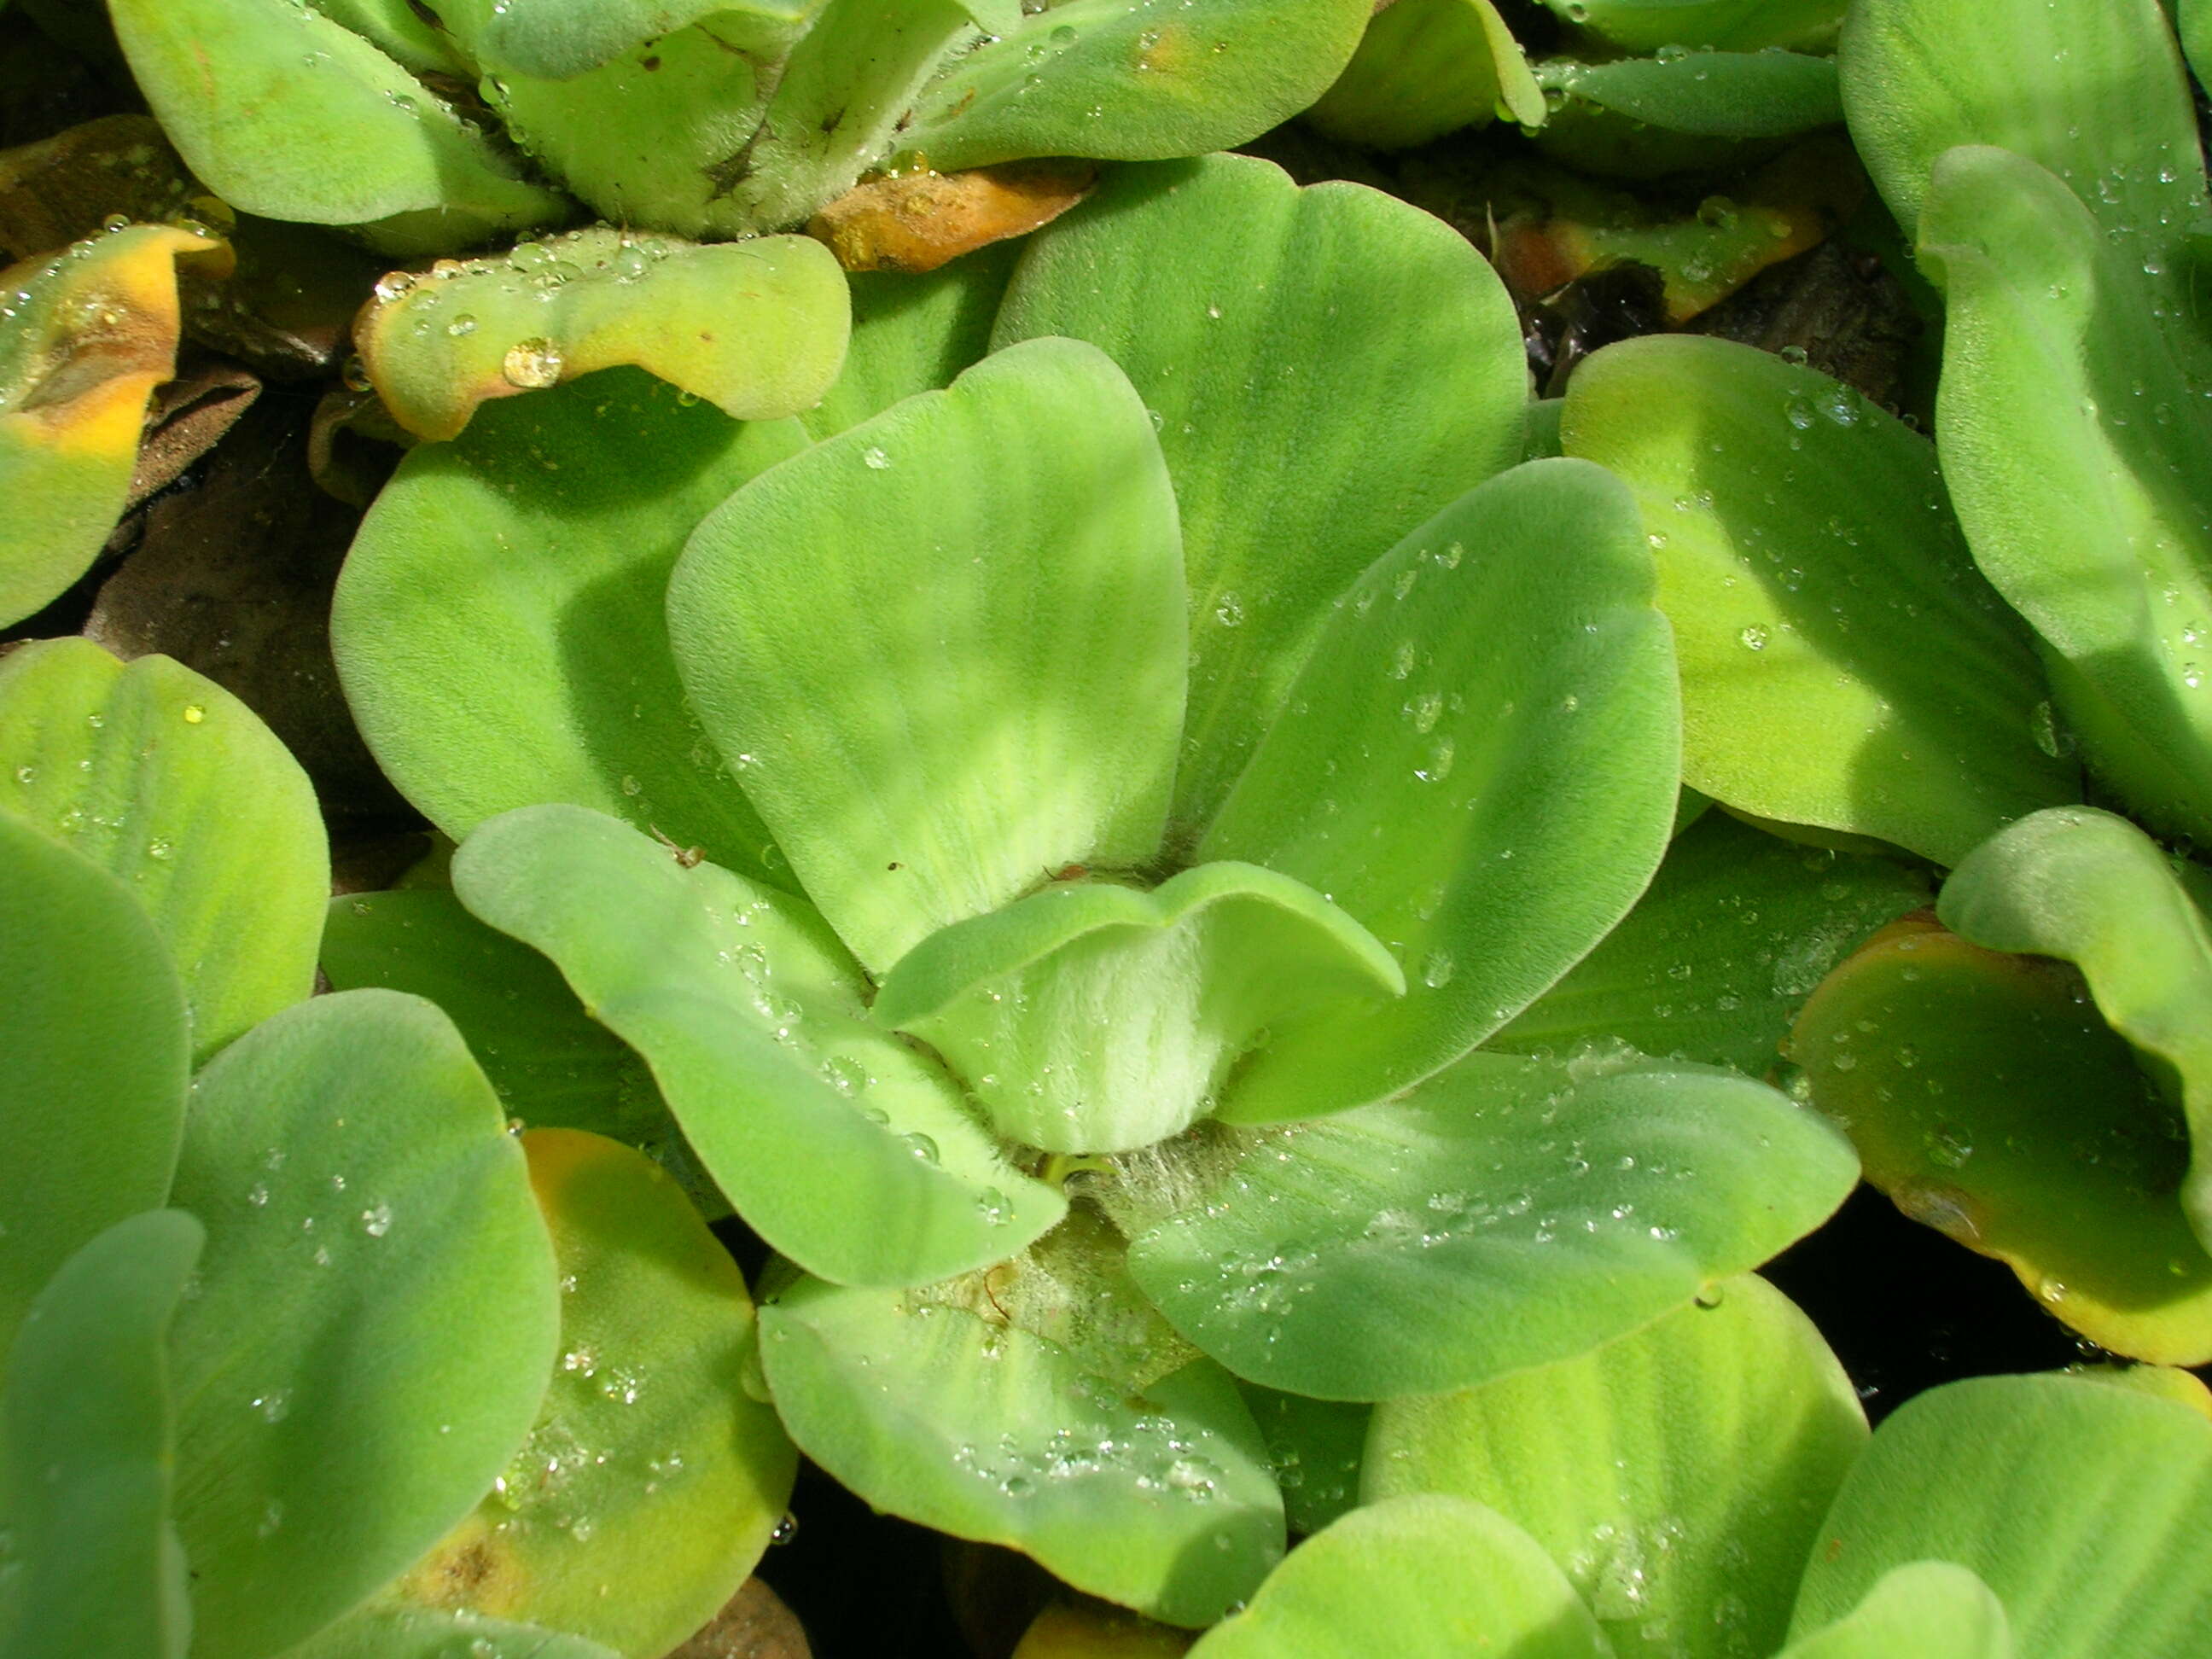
(1436, 969)
(1754, 638)
(532, 364)
(194, 714)
(1229, 610)
(787, 1528)
(922, 1147)
(461, 325)
(376, 1221)
(875, 458)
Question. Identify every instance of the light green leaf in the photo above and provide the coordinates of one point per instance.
(1155, 1495)
(651, 1482)
(500, 622)
(551, 1064)
(2072, 427)
(945, 649)
(425, 1633)
(1926, 1610)
(376, 1316)
(1508, 1214)
(1735, 25)
(1989, 1100)
(1479, 764)
(94, 1565)
(840, 1145)
(166, 779)
(1314, 1446)
(1676, 1475)
(2091, 90)
(2193, 21)
(395, 29)
(556, 39)
(757, 328)
(1135, 80)
(1426, 68)
(1715, 960)
(1708, 94)
(1412, 1578)
(1842, 665)
(86, 336)
(2084, 1508)
(913, 334)
(1339, 326)
(258, 95)
(1094, 1017)
(2095, 891)
(93, 1061)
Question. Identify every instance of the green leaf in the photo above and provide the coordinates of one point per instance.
(1676, 1475)
(93, 1061)
(1426, 68)
(1412, 1578)
(1479, 764)
(1732, 25)
(376, 1316)
(551, 1064)
(1156, 1495)
(2084, 1508)
(85, 337)
(166, 779)
(841, 1146)
(425, 1633)
(2071, 430)
(500, 623)
(258, 95)
(395, 29)
(1314, 1446)
(1093, 1018)
(1338, 326)
(757, 328)
(913, 334)
(556, 39)
(1710, 94)
(897, 639)
(2091, 90)
(1135, 80)
(93, 1563)
(1842, 665)
(1926, 1610)
(1508, 1214)
(1715, 960)
(2095, 891)
(1989, 1100)
(651, 1484)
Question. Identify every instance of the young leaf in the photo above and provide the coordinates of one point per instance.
(2095, 891)
(258, 94)
(1715, 960)
(1426, 68)
(1989, 1101)
(1731, 25)
(1508, 1214)
(500, 623)
(1099, 1019)
(1676, 1475)
(1478, 762)
(168, 781)
(1154, 1494)
(85, 337)
(757, 328)
(1926, 1609)
(1842, 665)
(1337, 326)
(2083, 1507)
(1315, 1447)
(376, 1318)
(94, 1565)
(1412, 1578)
(809, 1116)
(895, 638)
(651, 1483)
(93, 1061)
(1711, 94)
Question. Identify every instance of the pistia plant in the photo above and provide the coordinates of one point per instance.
(1060, 841)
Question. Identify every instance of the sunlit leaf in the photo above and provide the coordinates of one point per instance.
(1426, 68)
(1925, 1610)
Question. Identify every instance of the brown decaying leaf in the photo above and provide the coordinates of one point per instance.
(187, 418)
(755, 1624)
(918, 221)
(66, 187)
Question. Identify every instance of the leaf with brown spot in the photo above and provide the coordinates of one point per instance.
(920, 221)
(85, 337)
(61, 188)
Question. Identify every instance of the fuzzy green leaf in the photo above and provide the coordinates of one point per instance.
(1339, 326)
(500, 624)
(945, 649)
(379, 1632)
(1923, 1610)
(842, 1147)
(1711, 94)
(1508, 1214)
(1426, 68)
(913, 334)
(376, 1316)
(1734, 25)
(1842, 665)
(556, 38)
(1676, 1475)
(1479, 764)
